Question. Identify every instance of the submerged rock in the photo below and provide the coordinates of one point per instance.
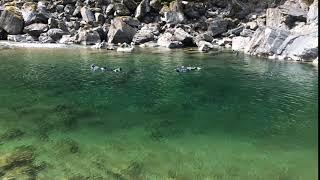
(133, 171)
(10, 135)
(162, 129)
(22, 156)
(20, 164)
(67, 146)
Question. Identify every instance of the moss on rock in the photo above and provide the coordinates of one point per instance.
(14, 10)
(10, 135)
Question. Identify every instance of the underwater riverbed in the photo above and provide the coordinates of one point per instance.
(239, 118)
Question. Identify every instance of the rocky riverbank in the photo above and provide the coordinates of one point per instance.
(275, 29)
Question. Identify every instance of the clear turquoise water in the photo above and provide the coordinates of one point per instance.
(238, 118)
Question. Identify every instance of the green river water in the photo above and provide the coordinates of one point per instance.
(239, 118)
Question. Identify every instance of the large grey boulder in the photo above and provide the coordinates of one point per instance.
(202, 37)
(167, 40)
(313, 13)
(130, 4)
(77, 11)
(274, 18)
(253, 25)
(21, 38)
(131, 21)
(226, 42)
(110, 9)
(44, 38)
(1, 9)
(32, 15)
(217, 26)
(285, 16)
(36, 29)
(156, 5)
(87, 37)
(204, 46)
(100, 18)
(102, 31)
(239, 43)
(235, 31)
(247, 33)
(301, 47)
(194, 10)
(87, 14)
(284, 44)
(11, 21)
(266, 41)
(142, 9)
(55, 34)
(173, 17)
(147, 33)
(53, 23)
(69, 9)
(182, 36)
(67, 39)
(120, 31)
(121, 10)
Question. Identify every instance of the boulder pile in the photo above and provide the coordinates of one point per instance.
(285, 29)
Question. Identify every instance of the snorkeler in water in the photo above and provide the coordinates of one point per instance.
(103, 69)
(187, 69)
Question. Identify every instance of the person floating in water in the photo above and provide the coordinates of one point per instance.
(117, 70)
(187, 69)
(95, 68)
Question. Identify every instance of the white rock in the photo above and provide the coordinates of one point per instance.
(204, 46)
(239, 43)
(315, 62)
